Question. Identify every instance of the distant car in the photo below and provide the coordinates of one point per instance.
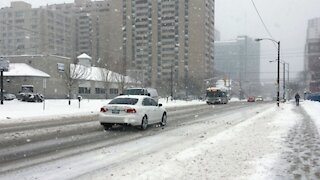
(142, 91)
(8, 96)
(22, 96)
(313, 97)
(251, 99)
(259, 98)
(33, 97)
(135, 110)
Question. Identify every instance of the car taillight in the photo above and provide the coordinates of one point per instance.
(103, 109)
(131, 110)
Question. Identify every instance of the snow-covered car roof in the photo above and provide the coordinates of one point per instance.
(132, 96)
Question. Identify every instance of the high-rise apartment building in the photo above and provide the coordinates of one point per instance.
(27, 30)
(169, 43)
(96, 30)
(217, 35)
(312, 55)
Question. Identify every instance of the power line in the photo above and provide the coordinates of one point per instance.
(264, 25)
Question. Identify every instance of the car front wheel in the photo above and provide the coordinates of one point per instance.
(144, 123)
(164, 119)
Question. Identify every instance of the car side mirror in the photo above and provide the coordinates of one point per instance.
(149, 94)
(160, 105)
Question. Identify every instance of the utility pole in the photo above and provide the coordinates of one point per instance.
(4, 66)
(288, 82)
(171, 80)
(1, 86)
(284, 82)
(278, 76)
(278, 68)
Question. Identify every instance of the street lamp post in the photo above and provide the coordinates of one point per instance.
(285, 83)
(278, 68)
(284, 78)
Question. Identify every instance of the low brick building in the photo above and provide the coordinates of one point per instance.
(52, 66)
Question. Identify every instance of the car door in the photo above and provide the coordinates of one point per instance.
(157, 111)
(148, 109)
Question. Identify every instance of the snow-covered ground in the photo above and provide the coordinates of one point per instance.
(313, 110)
(215, 148)
(54, 109)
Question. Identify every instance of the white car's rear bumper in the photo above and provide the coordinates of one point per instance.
(131, 119)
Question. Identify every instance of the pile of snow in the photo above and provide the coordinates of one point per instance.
(312, 108)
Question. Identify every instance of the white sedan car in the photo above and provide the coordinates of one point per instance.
(135, 110)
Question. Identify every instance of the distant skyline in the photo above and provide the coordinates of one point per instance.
(286, 19)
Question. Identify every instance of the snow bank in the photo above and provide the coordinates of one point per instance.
(18, 111)
(312, 108)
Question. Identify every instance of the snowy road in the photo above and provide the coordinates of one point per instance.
(237, 141)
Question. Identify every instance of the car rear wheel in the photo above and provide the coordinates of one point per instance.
(164, 120)
(106, 126)
(144, 123)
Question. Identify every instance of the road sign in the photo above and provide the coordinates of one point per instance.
(4, 64)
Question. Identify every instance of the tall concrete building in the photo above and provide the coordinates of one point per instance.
(96, 30)
(239, 60)
(169, 43)
(312, 55)
(27, 30)
(217, 35)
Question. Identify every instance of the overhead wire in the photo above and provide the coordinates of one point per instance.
(264, 25)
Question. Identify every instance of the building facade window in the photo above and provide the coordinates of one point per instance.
(100, 91)
(84, 90)
(114, 91)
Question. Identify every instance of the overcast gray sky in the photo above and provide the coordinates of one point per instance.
(285, 19)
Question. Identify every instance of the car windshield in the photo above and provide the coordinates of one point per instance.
(129, 101)
(216, 94)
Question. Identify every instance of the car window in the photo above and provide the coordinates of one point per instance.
(153, 102)
(146, 102)
(130, 101)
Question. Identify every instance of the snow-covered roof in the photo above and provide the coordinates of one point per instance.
(97, 74)
(22, 69)
(84, 56)
(34, 55)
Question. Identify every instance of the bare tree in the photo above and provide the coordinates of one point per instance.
(120, 80)
(136, 76)
(73, 74)
(105, 76)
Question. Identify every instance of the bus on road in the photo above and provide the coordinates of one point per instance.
(216, 96)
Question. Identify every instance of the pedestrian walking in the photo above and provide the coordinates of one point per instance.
(297, 97)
